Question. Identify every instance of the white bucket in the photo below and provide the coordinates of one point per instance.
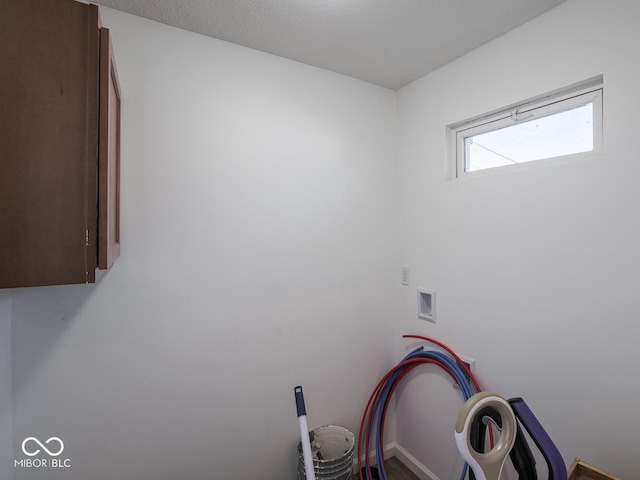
(332, 451)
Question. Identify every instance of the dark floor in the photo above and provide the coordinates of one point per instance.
(396, 471)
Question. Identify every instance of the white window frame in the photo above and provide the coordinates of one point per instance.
(555, 102)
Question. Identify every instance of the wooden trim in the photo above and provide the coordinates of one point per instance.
(580, 470)
(93, 110)
(109, 157)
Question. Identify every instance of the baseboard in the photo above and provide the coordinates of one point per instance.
(412, 463)
(394, 450)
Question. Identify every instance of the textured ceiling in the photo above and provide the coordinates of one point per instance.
(385, 42)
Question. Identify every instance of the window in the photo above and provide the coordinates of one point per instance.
(563, 124)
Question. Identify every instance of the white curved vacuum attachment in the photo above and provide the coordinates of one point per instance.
(486, 466)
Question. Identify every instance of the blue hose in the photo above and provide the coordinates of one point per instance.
(444, 361)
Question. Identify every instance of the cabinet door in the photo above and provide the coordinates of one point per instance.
(48, 140)
(109, 157)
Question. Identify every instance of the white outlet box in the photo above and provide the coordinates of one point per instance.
(471, 365)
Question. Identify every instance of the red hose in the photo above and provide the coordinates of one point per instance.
(406, 366)
(464, 367)
(453, 354)
(407, 363)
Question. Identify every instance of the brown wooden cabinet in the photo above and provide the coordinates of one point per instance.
(59, 144)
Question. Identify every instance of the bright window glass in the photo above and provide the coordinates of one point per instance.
(563, 133)
(567, 124)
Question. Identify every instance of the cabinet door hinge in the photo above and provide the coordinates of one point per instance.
(87, 237)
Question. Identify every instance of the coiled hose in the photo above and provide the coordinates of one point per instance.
(375, 412)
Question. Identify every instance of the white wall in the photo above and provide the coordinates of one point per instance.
(536, 271)
(6, 448)
(259, 250)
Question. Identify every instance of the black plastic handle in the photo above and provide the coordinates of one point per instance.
(300, 401)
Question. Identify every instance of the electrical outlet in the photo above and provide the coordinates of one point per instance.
(404, 275)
